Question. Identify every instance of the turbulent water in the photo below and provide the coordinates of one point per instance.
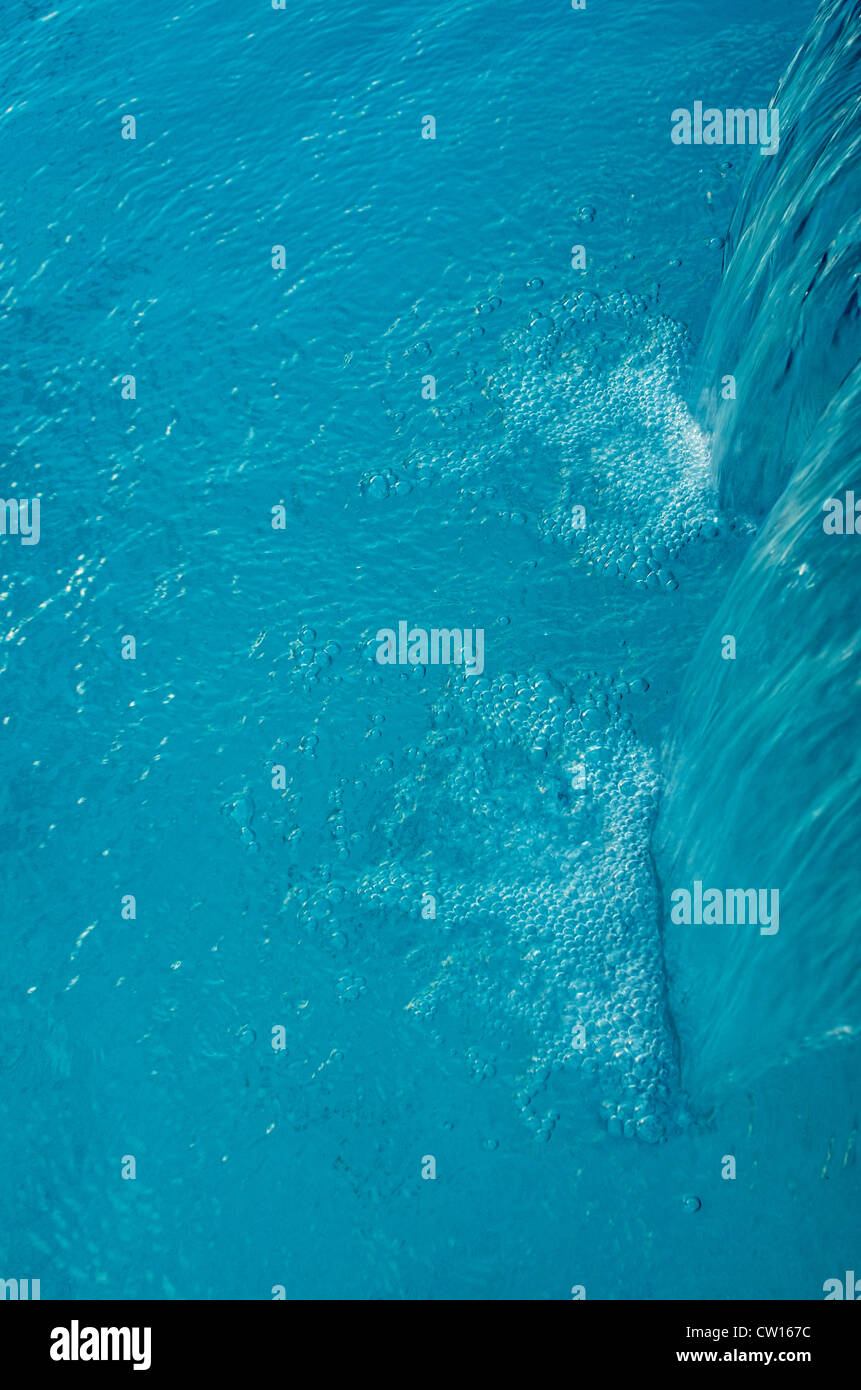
(441, 893)
(764, 785)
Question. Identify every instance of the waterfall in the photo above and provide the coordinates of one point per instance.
(763, 783)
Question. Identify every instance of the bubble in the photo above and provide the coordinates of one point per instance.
(649, 1129)
(350, 987)
(582, 931)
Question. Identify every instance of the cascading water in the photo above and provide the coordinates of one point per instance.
(764, 781)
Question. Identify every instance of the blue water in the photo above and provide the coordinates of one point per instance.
(304, 900)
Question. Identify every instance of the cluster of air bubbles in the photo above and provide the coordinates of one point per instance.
(598, 380)
(318, 910)
(466, 465)
(337, 821)
(350, 987)
(598, 383)
(480, 1068)
(384, 483)
(312, 655)
(535, 804)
